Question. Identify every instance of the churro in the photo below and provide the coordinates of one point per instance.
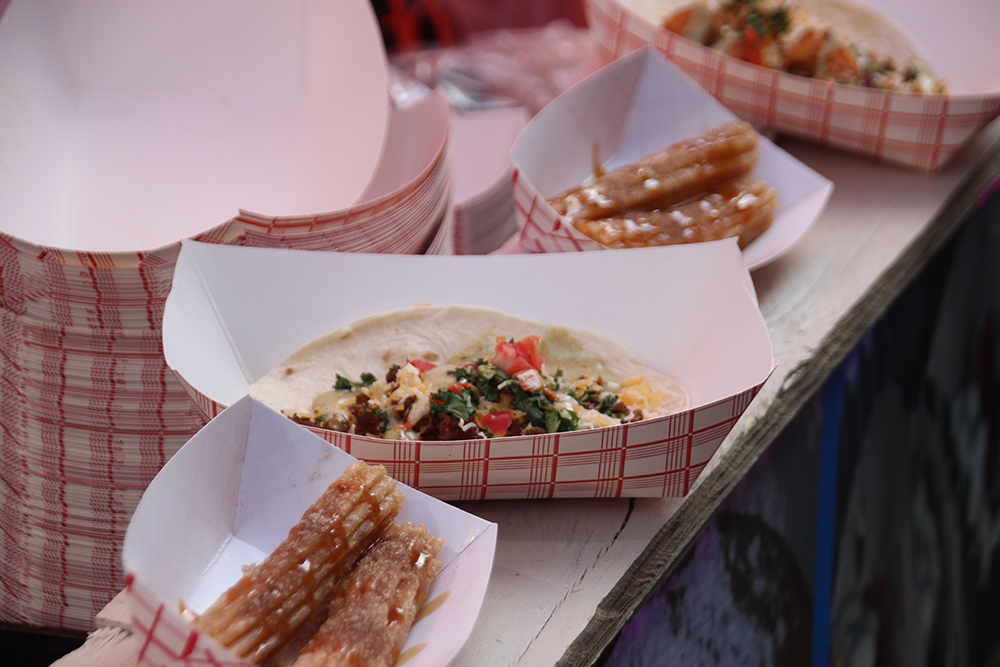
(668, 177)
(743, 208)
(698, 189)
(370, 617)
(258, 614)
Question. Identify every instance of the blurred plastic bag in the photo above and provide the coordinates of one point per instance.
(526, 67)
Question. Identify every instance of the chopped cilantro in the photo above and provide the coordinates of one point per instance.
(536, 406)
(589, 398)
(533, 404)
(552, 421)
(570, 421)
(756, 21)
(778, 19)
(484, 376)
(880, 67)
(557, 421)
(344, 384)
(608, 401)
(458, 404)
(466, 373)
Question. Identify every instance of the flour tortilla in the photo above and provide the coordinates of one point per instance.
(867, 26)
(448, 334)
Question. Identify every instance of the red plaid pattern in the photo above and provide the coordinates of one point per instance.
(401, 233)
(542, 229)
(90, 414)
(922, 132)
(164, 638)
(399, 222)
(653, 458)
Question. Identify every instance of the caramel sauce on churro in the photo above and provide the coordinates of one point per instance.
(742, 208)
(667, 177)
(431, 606)
(370, 617)
(596, 158)
(698, 189)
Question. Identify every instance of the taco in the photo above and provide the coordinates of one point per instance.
(461, 373)
(832, 40)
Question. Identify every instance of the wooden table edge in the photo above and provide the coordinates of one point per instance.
(677, 535)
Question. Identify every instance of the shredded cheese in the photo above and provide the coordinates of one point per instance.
(638, 394)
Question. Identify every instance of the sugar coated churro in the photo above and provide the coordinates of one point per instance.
(258, 614)
(743, 208)
(698, 189)
(667, 177)
(370, 616)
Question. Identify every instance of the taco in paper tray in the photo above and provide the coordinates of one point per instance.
(834, 40)
(462, 373)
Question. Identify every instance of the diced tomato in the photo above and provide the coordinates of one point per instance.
(530, 346)
(421, 365)
(459, 387)
(752, 45)
(523, 355)
(497, 423)
(507, 358)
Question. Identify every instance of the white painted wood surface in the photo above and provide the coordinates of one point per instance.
(569, 573)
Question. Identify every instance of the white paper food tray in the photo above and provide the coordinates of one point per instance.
(688, 311)
(399, 209)
(918, 131)
(129, 126)
(632, 108)
(484, 197)
(226, 500)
